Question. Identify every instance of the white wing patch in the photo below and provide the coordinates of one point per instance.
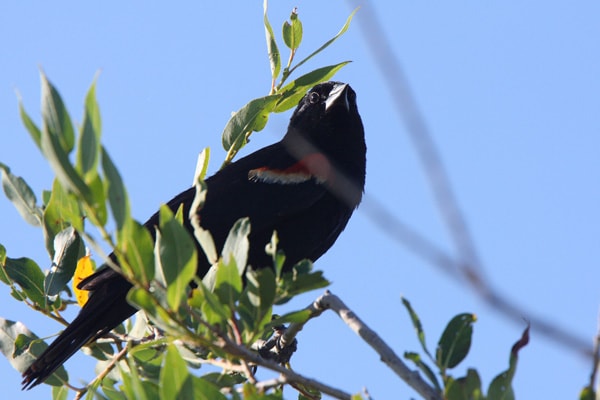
(313, 166)
(280, 177)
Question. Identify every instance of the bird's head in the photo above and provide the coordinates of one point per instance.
(326, 120)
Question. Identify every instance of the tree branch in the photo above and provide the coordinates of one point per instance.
(388, 356)
(103, 374)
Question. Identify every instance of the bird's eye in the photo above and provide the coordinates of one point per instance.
(314, 98)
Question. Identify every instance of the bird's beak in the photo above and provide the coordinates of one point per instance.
(338, 95)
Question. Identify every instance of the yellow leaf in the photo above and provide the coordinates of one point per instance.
(85, 267)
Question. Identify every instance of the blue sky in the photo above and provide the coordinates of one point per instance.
(510, 92)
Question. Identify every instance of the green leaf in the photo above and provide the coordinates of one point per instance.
(416, 321)
(293, 92)
(110, 391)
(298, 317)
(150, 357)
(273, 51)
(21, 347)
(56, 118)
(209, 279)
(292, 32)
(68, 249)
(206, 390)
(223, 380)
(147, 350)
(133, 385)
(31, 127)
(89, 139)
(228, 282)
(256, 302)
(96, 209)
(21, 195)
(46, 197)
(175, 379)
(455, 342)
(138, 247)
(468, 387)
(61, 212)
(299, 280)
(587, 393)
(201, 165)
(329, 42)
(250, 118)
(28, 275)
(416, 359)
(57, 141)
(60, 392)
(141, 299)
(177, 258)
(277, 256)
(3, 277)
(214, 312)
(101, 351)
(194, 356)
(501, 386)
(88, 154)
(202, 235)
(117, 195)
(237, 245)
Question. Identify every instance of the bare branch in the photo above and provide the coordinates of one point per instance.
(388, 356)
(287, 374)
(103, 374)
(271, 383)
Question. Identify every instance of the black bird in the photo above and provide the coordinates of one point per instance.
(305, 187)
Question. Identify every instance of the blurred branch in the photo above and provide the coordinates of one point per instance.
(592, 385)
(594, 374)
(468, 265)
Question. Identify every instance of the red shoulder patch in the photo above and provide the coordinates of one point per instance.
(313, 166)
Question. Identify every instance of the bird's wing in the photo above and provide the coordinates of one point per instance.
(269, 187)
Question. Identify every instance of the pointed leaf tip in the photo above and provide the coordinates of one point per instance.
(455, 342)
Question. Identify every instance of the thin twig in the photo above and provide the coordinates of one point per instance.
(290, 376)
(238, 339)
(388, 356)
(294, 328)
(224, 364)
(103, 374)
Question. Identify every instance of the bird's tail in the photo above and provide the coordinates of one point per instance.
(105, 309)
